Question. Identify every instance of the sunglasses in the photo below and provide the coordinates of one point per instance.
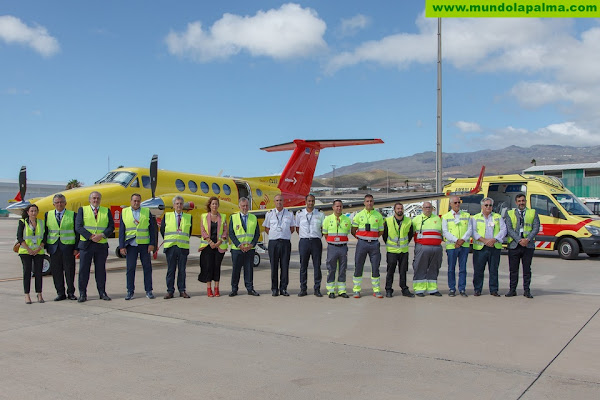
(487, 205)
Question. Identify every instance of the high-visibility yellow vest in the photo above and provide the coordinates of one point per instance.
(244, 236)
(65, 232)
(206, 226)
(427, 230)
(480, 224)
(336, 232)
(141, 231)
(458, 230)
(364, 217)
(93, 225)
(527, 223)
(397, 240)
(177, 237)
(31, 238)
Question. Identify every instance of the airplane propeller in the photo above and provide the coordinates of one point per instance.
(153, 174)
(23, 182)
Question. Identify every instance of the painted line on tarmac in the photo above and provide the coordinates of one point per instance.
(558, 354)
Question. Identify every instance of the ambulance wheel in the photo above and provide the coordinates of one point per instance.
(46, 266)
(118, 252)
(568, 249)
(256, 260)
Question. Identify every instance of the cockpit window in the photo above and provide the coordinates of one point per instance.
(146, 181)
(121, 177)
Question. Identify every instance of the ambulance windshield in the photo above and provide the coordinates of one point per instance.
(572, 204)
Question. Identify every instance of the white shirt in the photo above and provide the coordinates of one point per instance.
(309, 224)
(279, 224)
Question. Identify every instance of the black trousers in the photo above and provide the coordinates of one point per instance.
(401, 260)
(176, 260)
(312, 247)
(246, 261)
(62, 265)
(131, 258)
(279, 256)
(36, 263)
(516, 256)
(97, 252)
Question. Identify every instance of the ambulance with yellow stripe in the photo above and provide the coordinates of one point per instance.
(567, 225)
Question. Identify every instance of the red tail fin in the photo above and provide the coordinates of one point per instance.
(298, 174)
(477, 187)
(18, 197)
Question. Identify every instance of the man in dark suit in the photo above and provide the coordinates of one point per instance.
(522, 225)
(176, 229)
(94, 224)
(62, 246)
(137, 235)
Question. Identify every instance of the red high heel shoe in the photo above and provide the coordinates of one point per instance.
(217, 294)
(209, 292)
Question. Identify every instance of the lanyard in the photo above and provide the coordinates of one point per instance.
(279, 219)
(309, 220)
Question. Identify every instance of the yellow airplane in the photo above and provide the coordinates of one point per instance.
(160, 187)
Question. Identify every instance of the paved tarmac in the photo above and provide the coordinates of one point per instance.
(298, 348)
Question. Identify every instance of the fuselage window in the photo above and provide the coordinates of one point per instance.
(204, 187)
(180, 185)
(193, 187)
(226, 189)
(216, 189)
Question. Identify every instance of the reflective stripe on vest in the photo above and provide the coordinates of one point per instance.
(31, 238)
(336, 233)
(244, 237)
(527, 224)
(204, 222)
(428, 231)
(65, 232)
(373, 218)
(95, 227)
(175, 237)
(458, 230)
(480, 224)
(141, 232)
(397, 241)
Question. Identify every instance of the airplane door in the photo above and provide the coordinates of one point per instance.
(244, 191)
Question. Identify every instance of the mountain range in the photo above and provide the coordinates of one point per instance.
(421, 166)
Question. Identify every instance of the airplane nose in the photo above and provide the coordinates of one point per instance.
(156, 206)
(17, 208)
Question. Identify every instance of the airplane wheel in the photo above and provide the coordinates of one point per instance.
(46, 266)
(256, 260)
(118, 252)
(568, 249)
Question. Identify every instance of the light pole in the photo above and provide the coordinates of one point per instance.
(333, 180)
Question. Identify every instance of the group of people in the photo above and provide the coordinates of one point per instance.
(64, 234)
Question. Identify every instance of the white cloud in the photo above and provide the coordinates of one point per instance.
(288, 32)
(467, 127)
(351, 26)
(13, 30)
(566, 133)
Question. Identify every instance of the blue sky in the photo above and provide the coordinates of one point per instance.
(205, 84)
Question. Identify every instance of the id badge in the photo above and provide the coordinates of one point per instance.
(521, 230)
(336, 239)
(279, 229)
(491, 223)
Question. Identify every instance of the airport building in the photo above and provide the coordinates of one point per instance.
(581, 179)
(10, 187)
